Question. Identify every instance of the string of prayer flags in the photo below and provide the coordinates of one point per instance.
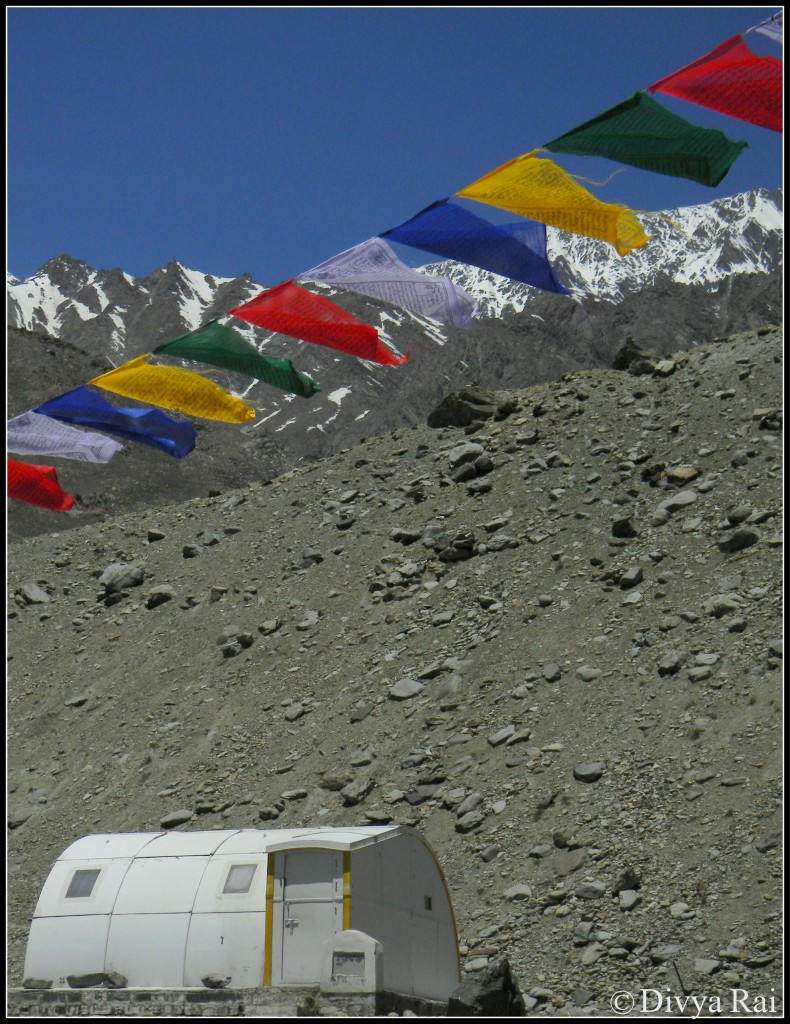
(35, 434)
(144, 425)
(219, 345)
(539, 189)
(37, 485)
(175, 389)
(771, 27)
(732, 80)
(640, 132)
(450, 231)
(372, 268)
(298, 313)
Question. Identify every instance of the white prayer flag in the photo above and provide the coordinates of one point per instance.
(372, 268)
(771, 27)
(34, 434)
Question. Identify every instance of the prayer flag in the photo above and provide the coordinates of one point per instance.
(37, 485)
(301, 314)
(144, 425)
(35, 434)
(372, 268)
(732, 80)
(640, 132)
(450, 231)
(771, 27)
(542, 191)
(220, 345)
(175, 389)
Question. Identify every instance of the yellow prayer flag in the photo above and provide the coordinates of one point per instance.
(542, 191)
(171, 388)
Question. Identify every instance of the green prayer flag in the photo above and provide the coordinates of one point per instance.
(222, 346)
(639, 131)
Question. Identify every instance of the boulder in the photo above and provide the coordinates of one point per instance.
(634, 359)
(491, 992)
(470, 404)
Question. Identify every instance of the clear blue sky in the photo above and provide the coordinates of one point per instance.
(268, 139)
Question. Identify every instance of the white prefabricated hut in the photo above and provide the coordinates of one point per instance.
(166, 909)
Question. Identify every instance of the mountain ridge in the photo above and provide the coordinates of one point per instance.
(691, 245)
(548, 336)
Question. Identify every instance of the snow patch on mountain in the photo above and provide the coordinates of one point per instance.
(196, 293)
(100, 293)
(117, 336)
(38, 301)
(338, 395)
(82, 311)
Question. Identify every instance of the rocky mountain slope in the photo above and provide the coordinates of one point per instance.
(555, 336)
(551, 641)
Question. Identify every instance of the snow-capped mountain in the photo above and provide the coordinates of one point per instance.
(694, 245)
(111, 313)
(712, 271)
(104, 310)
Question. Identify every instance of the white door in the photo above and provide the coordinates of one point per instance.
(308, 909)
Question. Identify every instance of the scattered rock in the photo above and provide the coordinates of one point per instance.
(16, 819)
(738, 541)
(590, 772)
(518, 892)
(405, 689)
(624, 528)
(159, 595)
(355, 792)
(120, 576)
(176, 818)
(568, 861)
(471, 645)
(31, 593)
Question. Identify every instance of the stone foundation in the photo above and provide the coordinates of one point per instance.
(190, 1002)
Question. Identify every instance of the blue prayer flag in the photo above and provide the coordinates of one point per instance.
(517, 251)
(146, 425)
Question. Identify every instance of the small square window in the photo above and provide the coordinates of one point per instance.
(428, 903)
(239, 878)
(82, 883)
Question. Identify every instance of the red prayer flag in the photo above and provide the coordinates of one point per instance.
(37, 485)
(289, 309)
(732, 80)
